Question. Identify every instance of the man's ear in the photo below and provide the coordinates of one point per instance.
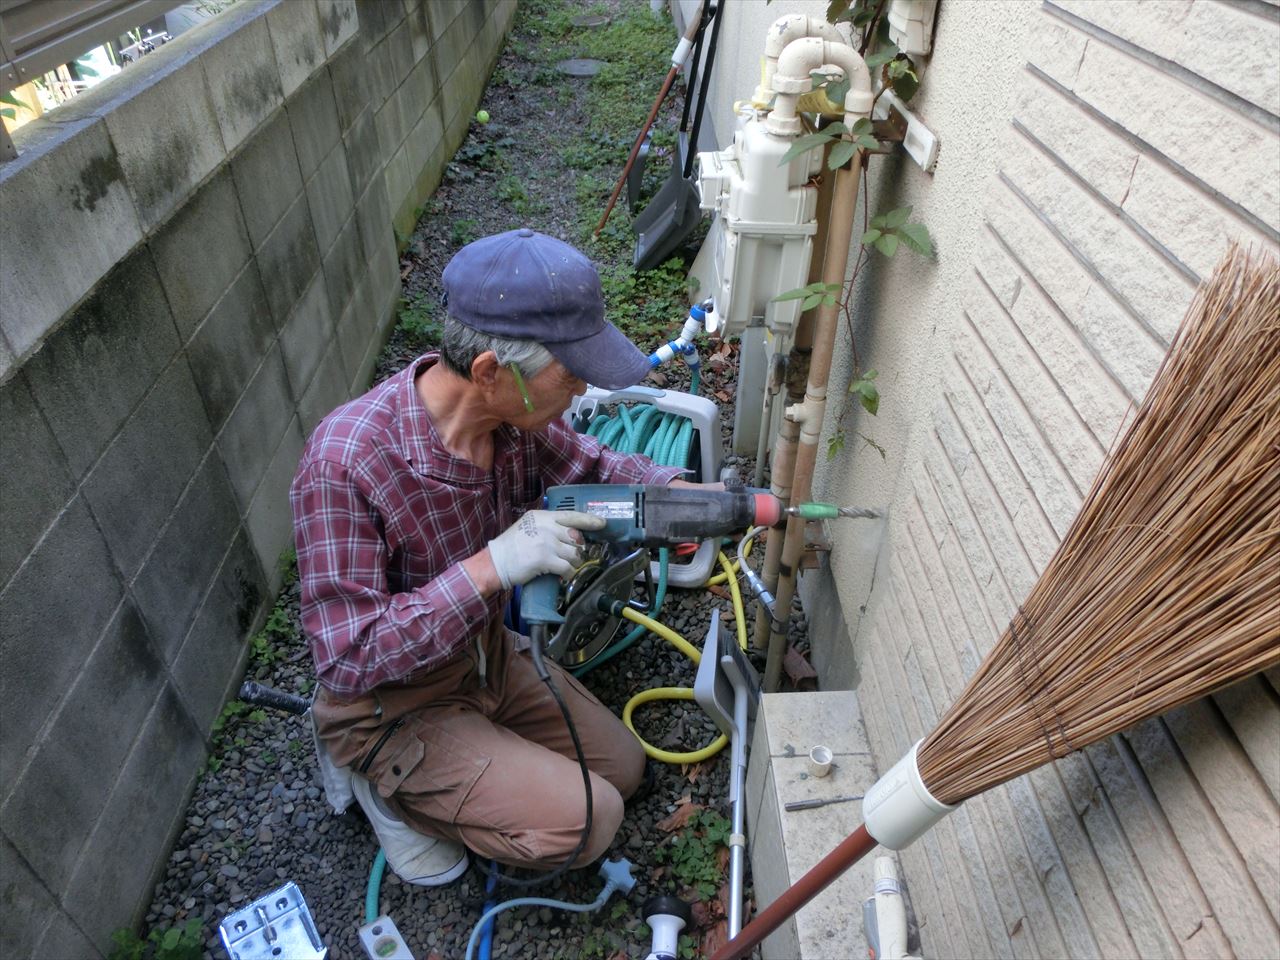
(484, 370)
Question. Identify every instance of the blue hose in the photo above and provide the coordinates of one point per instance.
(486, 931)
(618, 877)
(374, 889)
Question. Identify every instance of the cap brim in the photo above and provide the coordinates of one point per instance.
(606, 359)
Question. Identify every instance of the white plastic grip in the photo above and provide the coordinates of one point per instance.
(899, 809)
(681, 54)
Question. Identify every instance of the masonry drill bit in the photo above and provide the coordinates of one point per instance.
(830, 511)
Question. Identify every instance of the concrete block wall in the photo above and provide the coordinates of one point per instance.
(1097, 158)
(197, 262)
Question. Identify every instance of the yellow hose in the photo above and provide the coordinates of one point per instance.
(668, 756)
(682, 693)
(720, 578)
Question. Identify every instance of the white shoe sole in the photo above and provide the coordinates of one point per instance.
(415, 857)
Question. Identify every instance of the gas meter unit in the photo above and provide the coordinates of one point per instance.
(767, 219)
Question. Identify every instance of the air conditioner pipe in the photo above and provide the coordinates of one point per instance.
(792, 79)
(784, 30)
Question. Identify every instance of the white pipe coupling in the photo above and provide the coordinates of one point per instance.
(792, 79)
(785, 29)
(899, 809)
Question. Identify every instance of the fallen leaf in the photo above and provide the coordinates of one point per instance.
(658, 378)
(715, 938)
(720, 592)
(797, 667)
(696, 770)
(680, 818)
(619, 955)
(723, 396)
(702, 911)
(722, 858)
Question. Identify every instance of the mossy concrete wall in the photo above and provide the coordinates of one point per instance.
(198, 260)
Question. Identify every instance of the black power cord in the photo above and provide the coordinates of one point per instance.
(538, 637)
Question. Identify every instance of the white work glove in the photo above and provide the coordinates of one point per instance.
(542, 541)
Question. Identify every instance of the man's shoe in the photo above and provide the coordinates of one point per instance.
(415, 857)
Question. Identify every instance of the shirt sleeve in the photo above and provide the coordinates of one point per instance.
(565, 456)
(361, 634)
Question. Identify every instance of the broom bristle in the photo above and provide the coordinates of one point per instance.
(1167, 584)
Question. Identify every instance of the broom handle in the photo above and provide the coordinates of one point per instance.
(657, 105)
(852, 849)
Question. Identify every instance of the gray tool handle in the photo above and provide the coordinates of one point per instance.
(817, 802)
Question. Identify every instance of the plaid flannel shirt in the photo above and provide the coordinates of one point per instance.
(383, 516)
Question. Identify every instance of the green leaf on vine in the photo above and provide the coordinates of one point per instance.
(881, 56)
(868, 142)
(835, 444)
(860, 127)
(825, 292)
(803, 145)
(867, 392)
(916, 236)
(896, 218)
(841, 154)
(888, 244)
(870, 237)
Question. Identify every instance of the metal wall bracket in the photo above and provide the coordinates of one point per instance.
(276, 926)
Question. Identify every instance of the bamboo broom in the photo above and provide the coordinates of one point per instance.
(1165, 587)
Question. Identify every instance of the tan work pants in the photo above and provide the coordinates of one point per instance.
(485, 758)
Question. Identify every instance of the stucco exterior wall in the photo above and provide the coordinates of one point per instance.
(197, 262)
(1096, 159)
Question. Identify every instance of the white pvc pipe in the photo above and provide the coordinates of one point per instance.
(792, 79)
(784, 30)
(899, 809)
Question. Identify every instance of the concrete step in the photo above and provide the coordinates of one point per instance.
(784, 845)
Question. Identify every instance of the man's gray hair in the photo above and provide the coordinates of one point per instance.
(460, 345)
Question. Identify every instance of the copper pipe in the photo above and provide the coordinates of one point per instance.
(852, 849)
(809, 414)
(784, 446)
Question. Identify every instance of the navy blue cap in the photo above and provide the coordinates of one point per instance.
(524, 285)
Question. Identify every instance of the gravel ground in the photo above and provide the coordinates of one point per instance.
(260, 817)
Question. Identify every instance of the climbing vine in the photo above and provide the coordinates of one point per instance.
(883, 233)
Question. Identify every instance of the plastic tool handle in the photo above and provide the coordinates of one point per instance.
(260, 696)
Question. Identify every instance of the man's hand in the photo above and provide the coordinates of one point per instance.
(542, 541)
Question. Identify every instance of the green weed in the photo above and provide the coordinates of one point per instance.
(462, 232)
(419, 322)
(173, 943)
(693, 853)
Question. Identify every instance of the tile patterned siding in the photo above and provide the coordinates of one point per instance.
(1144, 138)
